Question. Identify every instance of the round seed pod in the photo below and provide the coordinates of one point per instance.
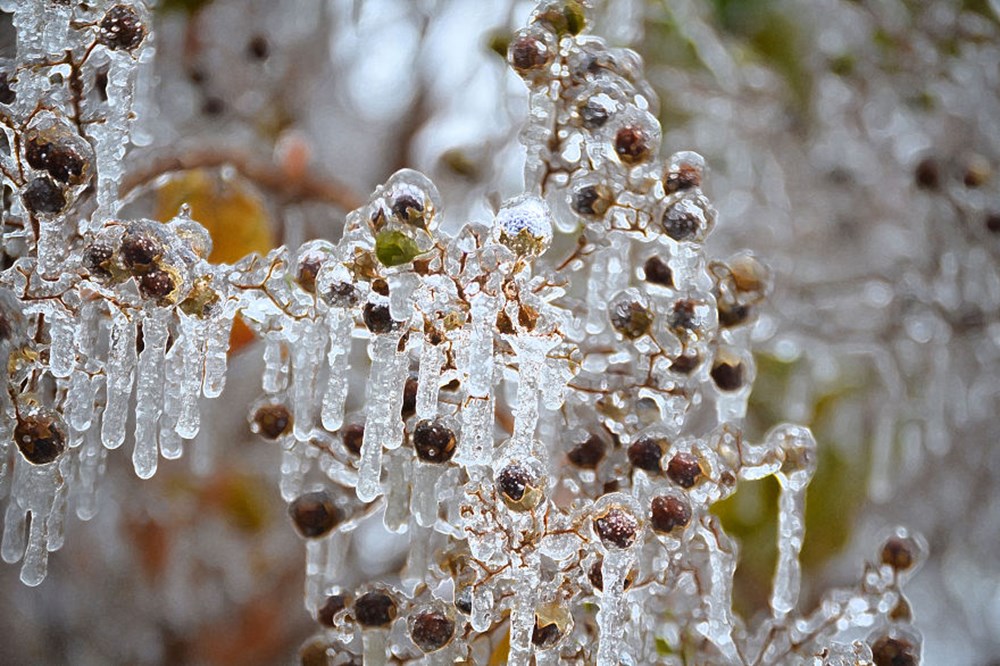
(728, 371)
(44, 197)
(588, 452)
(669, 514)
(684, 172)
(375, 609)
(685, 470)
(122, 28)
(690, 218)
(331, 607)
(271, 421)
(656, 271)
(595, 574)
(616, 521)
(902, 551)
(645, 453)
(314, 514)
(630, 314)
(51, 145)
(40, 436)
(520, 487)
(431, 627)
(353, 435)
(434, 441)
(531, 53)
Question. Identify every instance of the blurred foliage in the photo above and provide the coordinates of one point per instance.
(833, 500)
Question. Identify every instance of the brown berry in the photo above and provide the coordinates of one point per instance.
(591, 200)
(518, 488)
(431, 629)
(617, 528)
(596, 577)
(891, 651)
(42, 196)
(657, 271)
(668, 512)
(96, 258)
(589, 453)
(552, 623)
(686, 177)
(341, 295)
(60, 159)
(732, 314)
(121, 29)
(684, 470)
(156, 284)
(139, 250)
(993, 223)
(899, 552)
(258, 47)
(434, 442)
(630, 317)
(645, 453)
(593, 114)
(314, 514)
(409, 407)
(333, 605)
(927, 174)
(272, 421)
(679, 223)
(39, 438)
(308, 269)
(353, 435)
(529, 54)
(683, 316)
(377, 318)
(375, 609)
(686, 363)
(632, 145)
(727, 372)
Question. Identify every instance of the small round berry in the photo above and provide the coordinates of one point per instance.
(156, 284)
(552, 624)
(431, 628)
(333, 605)
(519, 489)
(683, 315)
(97, 257)
(632, 144)
(121, 29)
(314, 653)
(900, 552)
(894, 651)
(684, 172)
(309, 266)
(314, 514)
(410, 389)
(64, 156)
(591, 200)
(668, 513)
(42, 196)
(645, 453)
(524, 225)
(688, 219)
(630, 315)
(749, 275)
(352, 436)
(434, 442)
(927, 174)
(40, 438)
(593, 114)
(685, 470)
(656, 271)
(589, 453)
(408, 209)
(375, 609)
(617, 528)
(140, 249)
(685, 363)
(377, 318)
(529, 54)
(341, 295)
(728, 371)
(272, 421)
(596, 576)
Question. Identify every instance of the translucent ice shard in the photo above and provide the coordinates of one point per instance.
(149, 393)
(119, 373)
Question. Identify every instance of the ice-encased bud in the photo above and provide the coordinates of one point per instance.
(524, 225)
(685, 171)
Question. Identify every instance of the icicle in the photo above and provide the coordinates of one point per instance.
(611, 614)
(531, 351)
(609, 273)
(424, 501)
(55, 522)
(340, 324)
(275, 375)
(376, 643)
(429, 380)
(217, 353)
(316, 559)
(191, 340)
(118, 382)
(62, 356)
(476, 445)
(397, 494)
(149, 393)
(83, 389)
(307, 353)
(480, 346)
(35, 491)
(718, 627)
(91, 460)
(295, 463)
(384, 401)
(522, 612)
(171, 444)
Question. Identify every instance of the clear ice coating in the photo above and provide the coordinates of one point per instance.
(587, 409)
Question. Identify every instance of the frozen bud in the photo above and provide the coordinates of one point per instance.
(330, 608)
(668, 512)
(728, 370)
(121, 29)
(595, 574)
(43, 197)
(656, 271)
(630, 315)
(902, 551)
(530, 53)
(889, 650)
(977, 171)
(157, 284)
(40, 437)
(684, 316)
(589, 452)
(519, 487)
(395, 248)
(271, 421)
(645, 453)
(591, 199)
(377, 318)
(434, 441)
(561, 17)
(524, 225)
(684, 172)
(617, 527)
(314, 514)
(52, 146)
(352, 436)
(689, 219)
(375, 609)
(431, 627)
(632, 144)
(927, 174)
(685, 470)
(97, 258)
(553, 622)
(311, 258)
(139, 250)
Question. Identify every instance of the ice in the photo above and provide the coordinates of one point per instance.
(307, 354)
(383, 403)
(218, 329)
(170, 442)
(429, 380)
(611, 614)
(62, 353)
(149, 393)
(340, 324)
(424, 501)
(398, 472)
(119, 373)
(522, 612)
(192, 343)
(275, 374)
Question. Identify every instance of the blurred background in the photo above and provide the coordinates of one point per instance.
(853, 145)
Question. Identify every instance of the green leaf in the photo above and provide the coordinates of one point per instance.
(394, 248)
